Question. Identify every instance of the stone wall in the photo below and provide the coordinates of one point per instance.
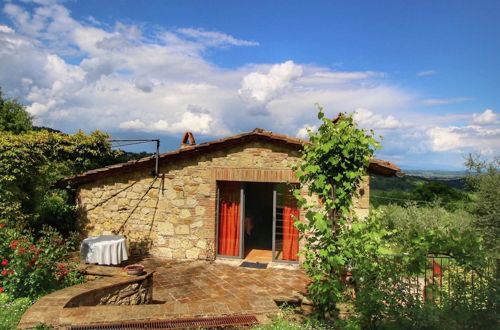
(131, 292)
(174, 216)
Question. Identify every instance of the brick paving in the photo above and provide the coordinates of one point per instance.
(202, 287)
(181, 290)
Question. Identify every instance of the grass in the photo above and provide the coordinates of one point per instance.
(11, 311)
(290, 318)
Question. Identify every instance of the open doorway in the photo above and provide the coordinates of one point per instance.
(258, 223)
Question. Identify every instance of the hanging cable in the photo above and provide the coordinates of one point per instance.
(130, 142)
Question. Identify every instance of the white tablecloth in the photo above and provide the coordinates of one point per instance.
(104, 250)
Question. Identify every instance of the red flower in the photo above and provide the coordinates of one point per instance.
(11, 271)
(5, 272)
(60, 266)
(1, 289)
(21, 251)
(5, 262)
(32, 247)
(2, 224)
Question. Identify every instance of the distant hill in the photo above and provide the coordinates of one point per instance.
(436, 174)
(415, 178)
(45, 128)
(447, 186)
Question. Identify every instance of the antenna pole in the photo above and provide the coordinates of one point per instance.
(157, 156)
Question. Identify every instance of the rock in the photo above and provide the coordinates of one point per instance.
(165, 228)
(182, 229)
(199, 210)
(192, 253)
(184, 214)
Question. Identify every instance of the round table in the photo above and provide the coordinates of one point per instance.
(104, 250)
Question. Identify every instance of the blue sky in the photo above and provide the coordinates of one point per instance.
(423, 74)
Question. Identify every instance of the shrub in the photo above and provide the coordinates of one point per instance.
(31, 267)
(412, 221)
(393, 298)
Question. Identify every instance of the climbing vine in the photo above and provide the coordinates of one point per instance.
(332, 169)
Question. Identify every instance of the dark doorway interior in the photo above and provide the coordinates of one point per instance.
(258, 220)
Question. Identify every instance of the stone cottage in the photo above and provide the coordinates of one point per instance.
(228, 198)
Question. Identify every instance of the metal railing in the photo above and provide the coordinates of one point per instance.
(432, 278)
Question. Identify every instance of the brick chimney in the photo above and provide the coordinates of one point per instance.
(187, 140)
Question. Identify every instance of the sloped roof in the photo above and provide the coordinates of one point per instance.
(381, 167)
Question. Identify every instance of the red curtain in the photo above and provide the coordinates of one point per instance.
(229, 218)
(290, 233)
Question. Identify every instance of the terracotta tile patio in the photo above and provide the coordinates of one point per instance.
(202, 287)
(188, 289)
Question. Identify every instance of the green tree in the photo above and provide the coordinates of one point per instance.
(435, 191)
(29, 165)
(484, 180)
(13, 116)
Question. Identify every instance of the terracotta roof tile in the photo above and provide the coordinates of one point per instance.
(376, 166)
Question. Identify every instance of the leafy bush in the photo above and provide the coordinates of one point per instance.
(29, 267)
(409, 222)
(392, 297)
(30, 163)
(424, 194)
(56, 210)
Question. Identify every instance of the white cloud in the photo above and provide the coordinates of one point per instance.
(444, 138)
(462, 138)
(257, 89)
(485, 118)
(214, 38)
(144, 85)
(133, 125)
(303, 132)
(426, 73)
(192, 122)
(445, 101)
(160, 125)
(324, 78)
(368, 119)
(5, 29)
